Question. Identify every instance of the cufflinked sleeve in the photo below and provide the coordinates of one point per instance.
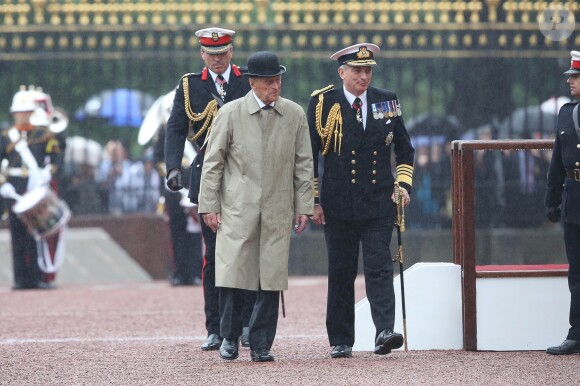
(405, 176)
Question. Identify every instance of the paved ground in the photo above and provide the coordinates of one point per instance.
(149, 333)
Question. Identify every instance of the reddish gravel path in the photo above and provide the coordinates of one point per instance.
(150, 334)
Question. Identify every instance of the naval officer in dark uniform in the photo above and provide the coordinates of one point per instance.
(354, 127)
(563, 199)
(197, 99)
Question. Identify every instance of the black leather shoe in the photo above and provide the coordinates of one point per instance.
(21, 286)
(261, 355)
(341, 351)
(177, 281)
(38, 285)
(43, 285)
(387, 341)
(566, 348)
(245, 339)
(213, 342)
(229, 349)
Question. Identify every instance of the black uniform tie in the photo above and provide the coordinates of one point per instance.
(267, 107)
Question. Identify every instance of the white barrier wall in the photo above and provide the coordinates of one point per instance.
(527, 313)
(433, 305)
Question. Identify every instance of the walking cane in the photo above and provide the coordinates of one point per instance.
(283, 305)
(400, 225)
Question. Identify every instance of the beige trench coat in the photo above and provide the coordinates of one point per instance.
(258, 174)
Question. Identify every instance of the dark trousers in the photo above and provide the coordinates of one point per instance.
(211, 293)
(263, 320)
(27, 273)
(186, 246)
(572, 242)
(343, 240)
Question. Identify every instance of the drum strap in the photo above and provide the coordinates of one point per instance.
(45, 262)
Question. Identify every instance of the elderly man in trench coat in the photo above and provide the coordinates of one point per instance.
(257, 177)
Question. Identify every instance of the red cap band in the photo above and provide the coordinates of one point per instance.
(215, 41)
(575, 64)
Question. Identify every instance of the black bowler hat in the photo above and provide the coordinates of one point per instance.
(264, 64)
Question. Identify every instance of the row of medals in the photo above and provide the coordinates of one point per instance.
(386, 109)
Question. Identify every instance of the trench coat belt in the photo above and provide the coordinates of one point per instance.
(573, 174)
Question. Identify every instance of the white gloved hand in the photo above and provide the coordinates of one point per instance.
(7, 191)
(185, 201)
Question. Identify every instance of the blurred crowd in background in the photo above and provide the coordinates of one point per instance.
(104, 179)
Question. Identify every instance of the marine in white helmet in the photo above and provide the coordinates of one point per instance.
(31, 153)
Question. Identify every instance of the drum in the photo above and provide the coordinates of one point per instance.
(43, 213)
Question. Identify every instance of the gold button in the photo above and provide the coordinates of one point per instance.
(353, 162)
(578, 146)
(577, 164)
(374, 172)
(353, 172)
(374, 181)
(353, 152)
(375, 152)
(353, 181)
(374, 162)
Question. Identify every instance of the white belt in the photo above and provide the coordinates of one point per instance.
(18, 172)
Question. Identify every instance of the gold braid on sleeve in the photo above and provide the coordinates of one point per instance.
(208, 114)
(333, 128)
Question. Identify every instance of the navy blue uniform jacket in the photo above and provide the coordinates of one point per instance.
(357, 183)
(566, 155)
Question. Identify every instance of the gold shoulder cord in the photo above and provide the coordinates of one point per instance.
(333, 123)
(208, 114)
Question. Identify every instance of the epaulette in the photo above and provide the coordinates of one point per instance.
(191, 74)
(322, 90)
(571, 103)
